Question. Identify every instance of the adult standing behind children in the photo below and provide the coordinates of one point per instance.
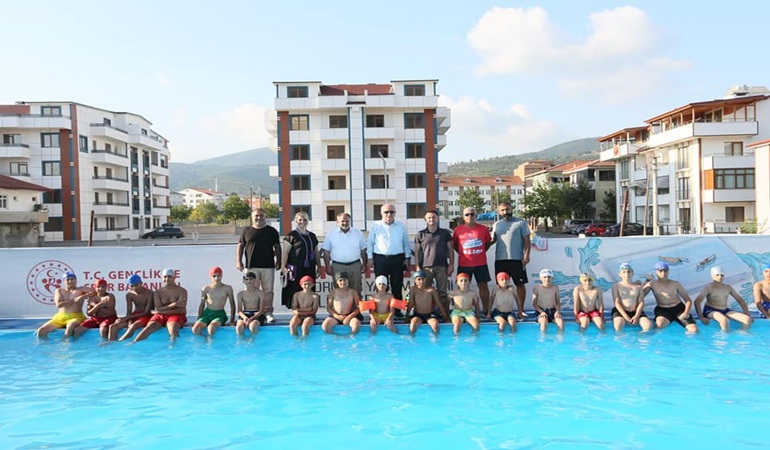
(345, 251)
(434, 255)
(388, 250)
(471, 241)
(260, 244)
(512, 245)
(300, 259)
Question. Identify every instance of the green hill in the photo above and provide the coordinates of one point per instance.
(237, 172)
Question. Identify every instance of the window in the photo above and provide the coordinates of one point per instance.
(415, 150)
(11, 139)
(379, 182)
(377, 212)
(154, 158)
(663, 185)
(415, 180)
(18, 168)
(299, 122)
(335, 152)
(734, 148)
(3, 202)
(83, 143)
(338, 121)
(52, 196)
(337, 182)
(682, 188)
(415, 210)
(50, 110)
(144, 132)
(414, 90)
(301, 208)
(54, 224)
(296, 91)
(378, 151)
(606, 175)
(375, 121)
(683, 157)
(414, 120)
(300, 182)
(684, 219)
(734, 178)
(49, 139)
(624, 172)
(52, 168)
(734, 213)
(333, 211)
(107, 147)
(300, 152)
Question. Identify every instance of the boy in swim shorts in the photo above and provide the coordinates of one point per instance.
(503, 298)
(424, 301)
(546, 301)
(138, 306)
(589, 306)
(252, 306)
(169, 310)
(383, 313)
(69, 299)
(304, 307)
(669, 295)
(628, 300)
(716, 294)
(214, 297)
(465, 304)
(762, 292)
(342, 306)
(101, 311)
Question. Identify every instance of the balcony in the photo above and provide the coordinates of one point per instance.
(35, 121)
(620, 151)
(380, 133)
(158, 188)
(110, 183)
(336, 195)
(14, 151)
(440, 141)
(443, 120)
(728, 162)
(111, 209)
(116, 157)
(335, 165)
(380, 194)
(728, 195)
(108, 131)
(721, 226)
(24, 217)
(147, 141)
(703, 129)
(333, 134)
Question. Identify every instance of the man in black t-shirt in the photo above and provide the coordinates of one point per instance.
(261, 245)
(434, 255)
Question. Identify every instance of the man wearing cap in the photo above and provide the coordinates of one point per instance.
(100, 309)
(511, 236)
(433, 254)
(669, 295)
(471, 241)
(138, 306)
(388, 250)
(344, 250)
(214, 297)
(762, 292)
(69, 299)
(716, 308)
(261, 245)
(170, 308)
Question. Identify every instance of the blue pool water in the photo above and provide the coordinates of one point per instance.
(663, 389)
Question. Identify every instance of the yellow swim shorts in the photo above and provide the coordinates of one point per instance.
(62, 319)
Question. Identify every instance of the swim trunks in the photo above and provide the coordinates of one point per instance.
(210, 315)
(358, 316)
(96, 322)
(463, 313)
(144, 320)
(380, 317)
(766, 305)
(164, 319)
(425, 317)
(504, 315)
(62, 319)
(709, 309)
(261, 319)
(616, 313)
(589, 314)
(672, 314)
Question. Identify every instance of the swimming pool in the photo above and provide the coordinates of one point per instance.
(662, 389)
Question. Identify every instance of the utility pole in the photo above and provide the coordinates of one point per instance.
(656, 228)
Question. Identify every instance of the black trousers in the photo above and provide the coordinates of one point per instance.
(392, 266)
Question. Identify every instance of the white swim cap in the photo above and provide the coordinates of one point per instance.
(716, 270)
(546, 273)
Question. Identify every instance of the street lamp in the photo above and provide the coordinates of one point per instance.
(384, 174)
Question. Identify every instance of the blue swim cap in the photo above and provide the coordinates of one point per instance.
(134, 279)
(67, 275)
(765, 267)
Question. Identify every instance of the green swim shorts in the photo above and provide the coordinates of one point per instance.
(210, 315)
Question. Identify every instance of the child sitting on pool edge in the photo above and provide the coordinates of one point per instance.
(304, 307)
(342, 306)
(252, 307)
(546, 301)
(383, 312)
(101, 311)
(588, 303)
(465, 304)
(502, 300)
(423, 303)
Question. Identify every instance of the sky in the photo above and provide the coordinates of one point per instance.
(518, 76)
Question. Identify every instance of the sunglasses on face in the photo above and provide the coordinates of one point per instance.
(388, 212)
(469, 214)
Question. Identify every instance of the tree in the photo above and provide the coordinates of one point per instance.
(547, 201)
(578, 198)
(235, 208)
(205, 212)
(609, 207)
(271, 210)
(470, 198)
(179, 213)
(500, 197)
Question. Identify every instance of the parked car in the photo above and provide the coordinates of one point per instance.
(579, 228)
(596, 229)
(630, 229)
(164, 232)
(571, 224)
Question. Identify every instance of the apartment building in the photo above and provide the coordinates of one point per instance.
(21, 214)
(353, 147)
(192, 197)
(599, 176)
(525, 169)
(93, 160)
(452, 189)
(761, 151)
(692, 169)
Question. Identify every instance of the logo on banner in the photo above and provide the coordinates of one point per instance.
(44, 278)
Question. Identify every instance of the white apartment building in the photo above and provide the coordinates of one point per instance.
(762, 176)
(192, 197)
(353, 147)
(697, 162)
(92, 159)
(452, 189)
(21, 214)
(599, 176)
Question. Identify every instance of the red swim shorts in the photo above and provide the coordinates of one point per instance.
(96, 322)
(143, 320)
(589, 314)
(163, 319)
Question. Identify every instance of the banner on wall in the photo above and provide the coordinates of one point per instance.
(32, 275)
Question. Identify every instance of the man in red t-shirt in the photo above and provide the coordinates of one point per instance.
(471, 241)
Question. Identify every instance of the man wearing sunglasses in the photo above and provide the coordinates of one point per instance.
(388, 250)
(471, 241)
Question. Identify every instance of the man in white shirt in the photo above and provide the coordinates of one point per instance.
(388, 249)
(345, 251)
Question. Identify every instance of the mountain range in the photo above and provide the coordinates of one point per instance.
(243, 171)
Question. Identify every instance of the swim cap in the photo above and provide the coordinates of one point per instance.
(463, 275)
(100, 282)
(382, 279)
(716, 270)
(249, 275)
(625, 266)
(418, 274)
(306, 278)
(586, 276)
(503, 276)
(546, 273)
(340, 275)
(765, 267)
(68, 275)
(215, 271)
(661, 266)
(134, 279)
(168, 273)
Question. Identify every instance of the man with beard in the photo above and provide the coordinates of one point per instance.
(511, 235)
